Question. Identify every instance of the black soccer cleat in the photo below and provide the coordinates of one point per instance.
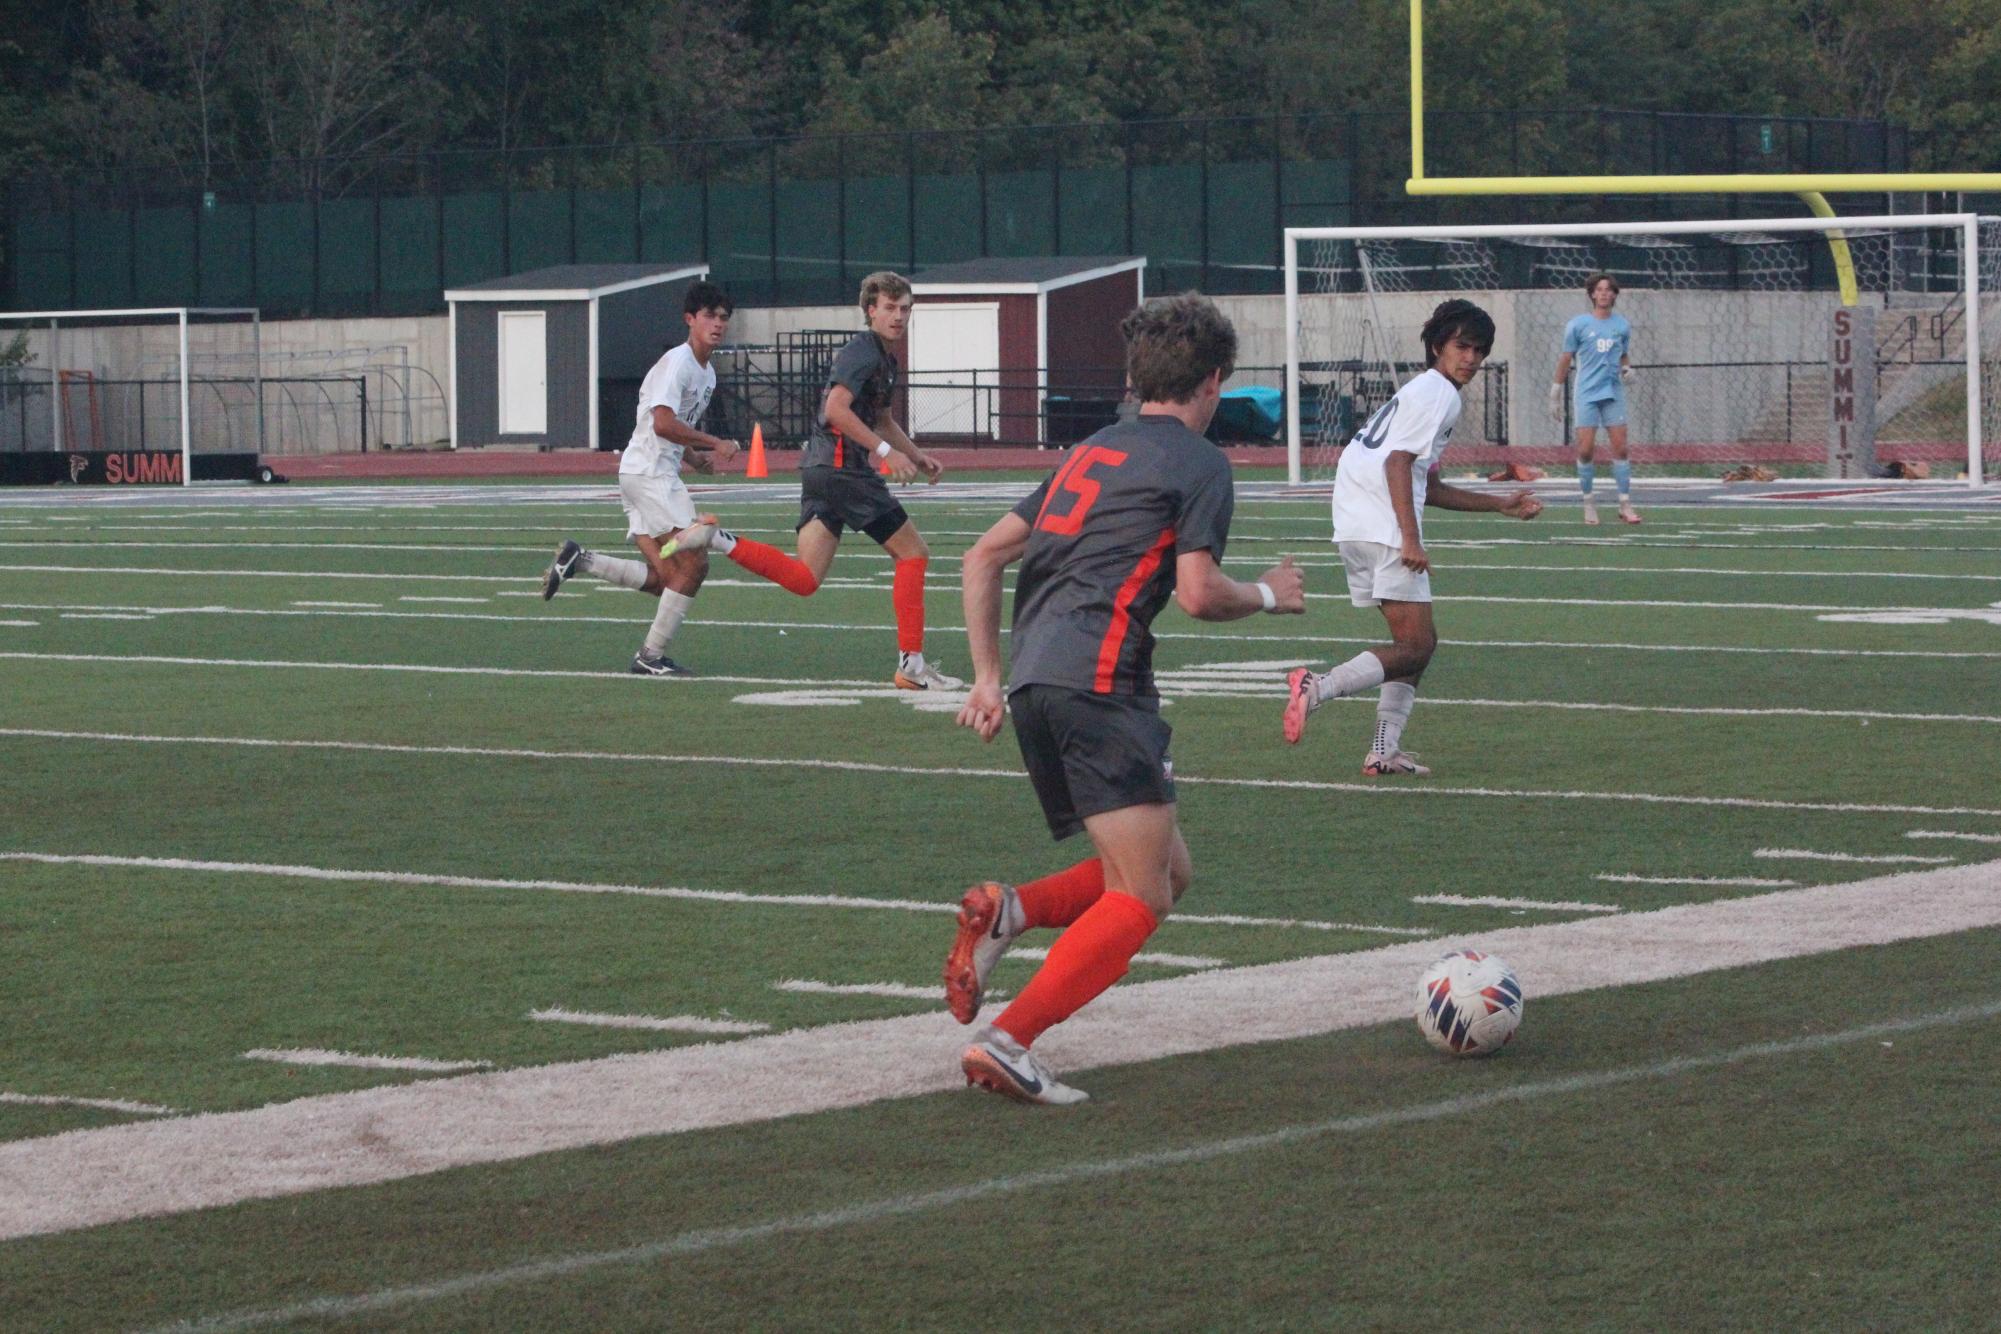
(645, 664)
(561, 569)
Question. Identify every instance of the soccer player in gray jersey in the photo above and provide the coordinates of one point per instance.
(840, 488)
(1135, 515)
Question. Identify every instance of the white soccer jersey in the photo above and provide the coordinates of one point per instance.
(1419, 420)
(679, 382)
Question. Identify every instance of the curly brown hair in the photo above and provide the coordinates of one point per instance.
(1173, 343)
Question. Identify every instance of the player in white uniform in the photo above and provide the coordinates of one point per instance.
(660, 514)
(1387, 474)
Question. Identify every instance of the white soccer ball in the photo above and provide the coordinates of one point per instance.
(1469, 1004)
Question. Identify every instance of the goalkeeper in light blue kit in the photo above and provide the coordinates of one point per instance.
(1601, 345)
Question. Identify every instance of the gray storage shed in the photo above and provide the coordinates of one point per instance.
(530, 353)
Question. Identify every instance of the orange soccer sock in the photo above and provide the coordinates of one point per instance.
(768, 562)
(907, 593)
(1082, 964)
(1060, 899)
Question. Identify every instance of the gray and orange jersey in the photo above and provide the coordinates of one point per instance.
(1105, 530)
(865, 366)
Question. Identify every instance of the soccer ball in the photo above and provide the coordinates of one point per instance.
(1469, 1004)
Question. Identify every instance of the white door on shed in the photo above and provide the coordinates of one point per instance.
(524, 372)
(955, 368)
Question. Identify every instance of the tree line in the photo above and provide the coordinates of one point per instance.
(211, 88)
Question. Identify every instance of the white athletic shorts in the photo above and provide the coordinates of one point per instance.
(654, 506)
(1376, 574)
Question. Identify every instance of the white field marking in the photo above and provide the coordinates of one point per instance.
(1489, 901)
(1918, 616)
(1718, 881)
(669, 1023)
(424, 880)
(101, 1104)
(1008, 775)
(104, 616)
(94, 543)
(1152, 1162)
(1954, 833)
(892, 990)
(1295, 923)
(427, 669)
(20, 623)
(408, 598)
(942, 591)
(1153, 958)
(1886, 859)
(87, 1178)
(1455, 567)
(321, 1056)
(375, 609)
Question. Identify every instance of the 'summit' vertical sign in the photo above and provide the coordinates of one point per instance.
(1851, 400)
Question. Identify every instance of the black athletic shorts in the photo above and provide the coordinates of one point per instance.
(851, 497)
(1088, 754)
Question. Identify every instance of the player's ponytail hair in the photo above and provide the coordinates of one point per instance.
(1457, 319)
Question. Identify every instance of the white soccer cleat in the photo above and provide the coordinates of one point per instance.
(695, 537)
(1590, 511)
(984, 935)
(999, 1064)
(1399, 765)
(913, 673)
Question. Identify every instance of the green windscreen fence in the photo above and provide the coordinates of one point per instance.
(799, 221)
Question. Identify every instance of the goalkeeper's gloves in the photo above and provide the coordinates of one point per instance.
(1626, 374)
(1556, 401)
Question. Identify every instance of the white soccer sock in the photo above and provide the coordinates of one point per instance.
(1350, 678)
(1392, 712)
(723, 543)
(673, 609)
(624, 573)
(910, 664)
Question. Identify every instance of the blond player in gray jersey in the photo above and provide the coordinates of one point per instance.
(1387, 475)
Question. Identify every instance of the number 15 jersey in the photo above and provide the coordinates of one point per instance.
(1105, 530)
(1419, 420)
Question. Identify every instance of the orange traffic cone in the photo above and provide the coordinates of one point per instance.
(756, 466)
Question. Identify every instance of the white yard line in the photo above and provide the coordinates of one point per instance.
(20, 623)
(1489, 901)
(408, 598)
(87, 1178)
(1149, 957)
(1317, 641)
(1393, 791)
(321, 1056)
(418, 879)
(105, 616)
(669, 1023)
(1172, 684)
(891, 990)
(941, 590)
(1705, 881)
(977, 1194)
(100, 1104)
(1886, 859)
(1954, 833)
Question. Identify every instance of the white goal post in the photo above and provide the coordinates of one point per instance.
(131, 395)
(1742, 346)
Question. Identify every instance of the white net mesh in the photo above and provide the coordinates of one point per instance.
(90, 382)
(1732, 344)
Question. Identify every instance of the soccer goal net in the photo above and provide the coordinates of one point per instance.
(1841, 347)
(162, 396)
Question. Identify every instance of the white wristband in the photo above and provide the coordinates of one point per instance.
(1270, 598)
(882, 449)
